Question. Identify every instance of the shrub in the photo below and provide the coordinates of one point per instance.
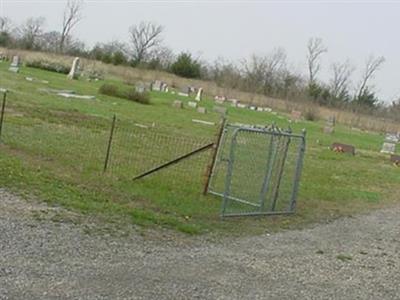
(186, 66)
(109, 90)
(129, 94)
(48, 66)
(311, 114)
(132, 95)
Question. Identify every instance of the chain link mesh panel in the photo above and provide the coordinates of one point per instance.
(258, 170)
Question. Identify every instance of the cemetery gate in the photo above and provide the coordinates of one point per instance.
(257, 170)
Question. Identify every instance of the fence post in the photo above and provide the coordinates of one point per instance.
(3, 108)
(109, 144)
(299, 167)
(211, 165)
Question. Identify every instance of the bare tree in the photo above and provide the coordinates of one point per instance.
(371, 66)
(5, 24)
(340, 81)
(30, 32)
(262, 73)
(72, 16)
(144, 38)
(315, 49)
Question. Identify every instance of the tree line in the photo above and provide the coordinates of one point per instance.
(268, 74)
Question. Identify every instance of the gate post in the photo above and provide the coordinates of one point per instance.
(299, 167)
(215, 149)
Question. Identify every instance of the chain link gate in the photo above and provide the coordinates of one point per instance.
(257, 171)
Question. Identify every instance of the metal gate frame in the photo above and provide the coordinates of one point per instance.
(274, 132)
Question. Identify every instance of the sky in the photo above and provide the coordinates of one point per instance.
(234, 30)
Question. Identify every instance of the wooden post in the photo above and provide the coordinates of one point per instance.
(214, 150)
(3, 108)
(109, 144)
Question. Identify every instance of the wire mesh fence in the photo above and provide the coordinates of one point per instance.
(258, 170)
(70, 143)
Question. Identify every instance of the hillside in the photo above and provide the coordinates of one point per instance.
(53, 147)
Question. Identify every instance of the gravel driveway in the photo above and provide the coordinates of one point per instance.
(353, 258)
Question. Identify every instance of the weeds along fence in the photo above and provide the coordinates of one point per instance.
(86, 147)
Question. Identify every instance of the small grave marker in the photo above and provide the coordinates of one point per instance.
(388, 148)
(295, 115)
(177, 104)
(220, 109)
(343, 148)
(192, 104)
(328, 129)
(201, 110)
(185, 92)
(395, 159)
(14, 67)
(156, 86)
(140, 88)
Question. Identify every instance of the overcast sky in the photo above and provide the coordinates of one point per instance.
(235, 29)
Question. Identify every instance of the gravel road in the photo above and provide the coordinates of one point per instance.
(42, 258)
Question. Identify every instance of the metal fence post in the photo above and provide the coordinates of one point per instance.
(109, 144)
(228, 178)
(211, 166)
(299, 167)
(3, 108)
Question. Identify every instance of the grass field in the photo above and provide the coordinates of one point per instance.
(54, 148)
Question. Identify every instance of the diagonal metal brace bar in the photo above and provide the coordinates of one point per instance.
(174, 161)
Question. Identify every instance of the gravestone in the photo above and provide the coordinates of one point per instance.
(220, 98)
(343, 148)
(201, 110)
(192, 104)
(234, 102)
(388, 148)
(73, 73)
(177, 104)
(199, 94)
(185, 92)
(328, 130)
(241, 105)
(295, 115)
(164, 87)
(14, 67)
(219, 109)
(252, 107)
(220, 101)
(156, 86)
(140, 88)
(395, 159)
(330, 125)
(331, 121)
(391, 138)
(260, 109)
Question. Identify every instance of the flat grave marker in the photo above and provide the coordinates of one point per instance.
(343, 148)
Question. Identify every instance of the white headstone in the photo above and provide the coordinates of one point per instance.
(220, 109)
(391, 138)
(388, 148)
(156, 86)
(199, 94)
(192, 104)
(73, 73)
(14, 67)
(177, 104)
(201, 110)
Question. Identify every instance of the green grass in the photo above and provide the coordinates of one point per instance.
(54, 149)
